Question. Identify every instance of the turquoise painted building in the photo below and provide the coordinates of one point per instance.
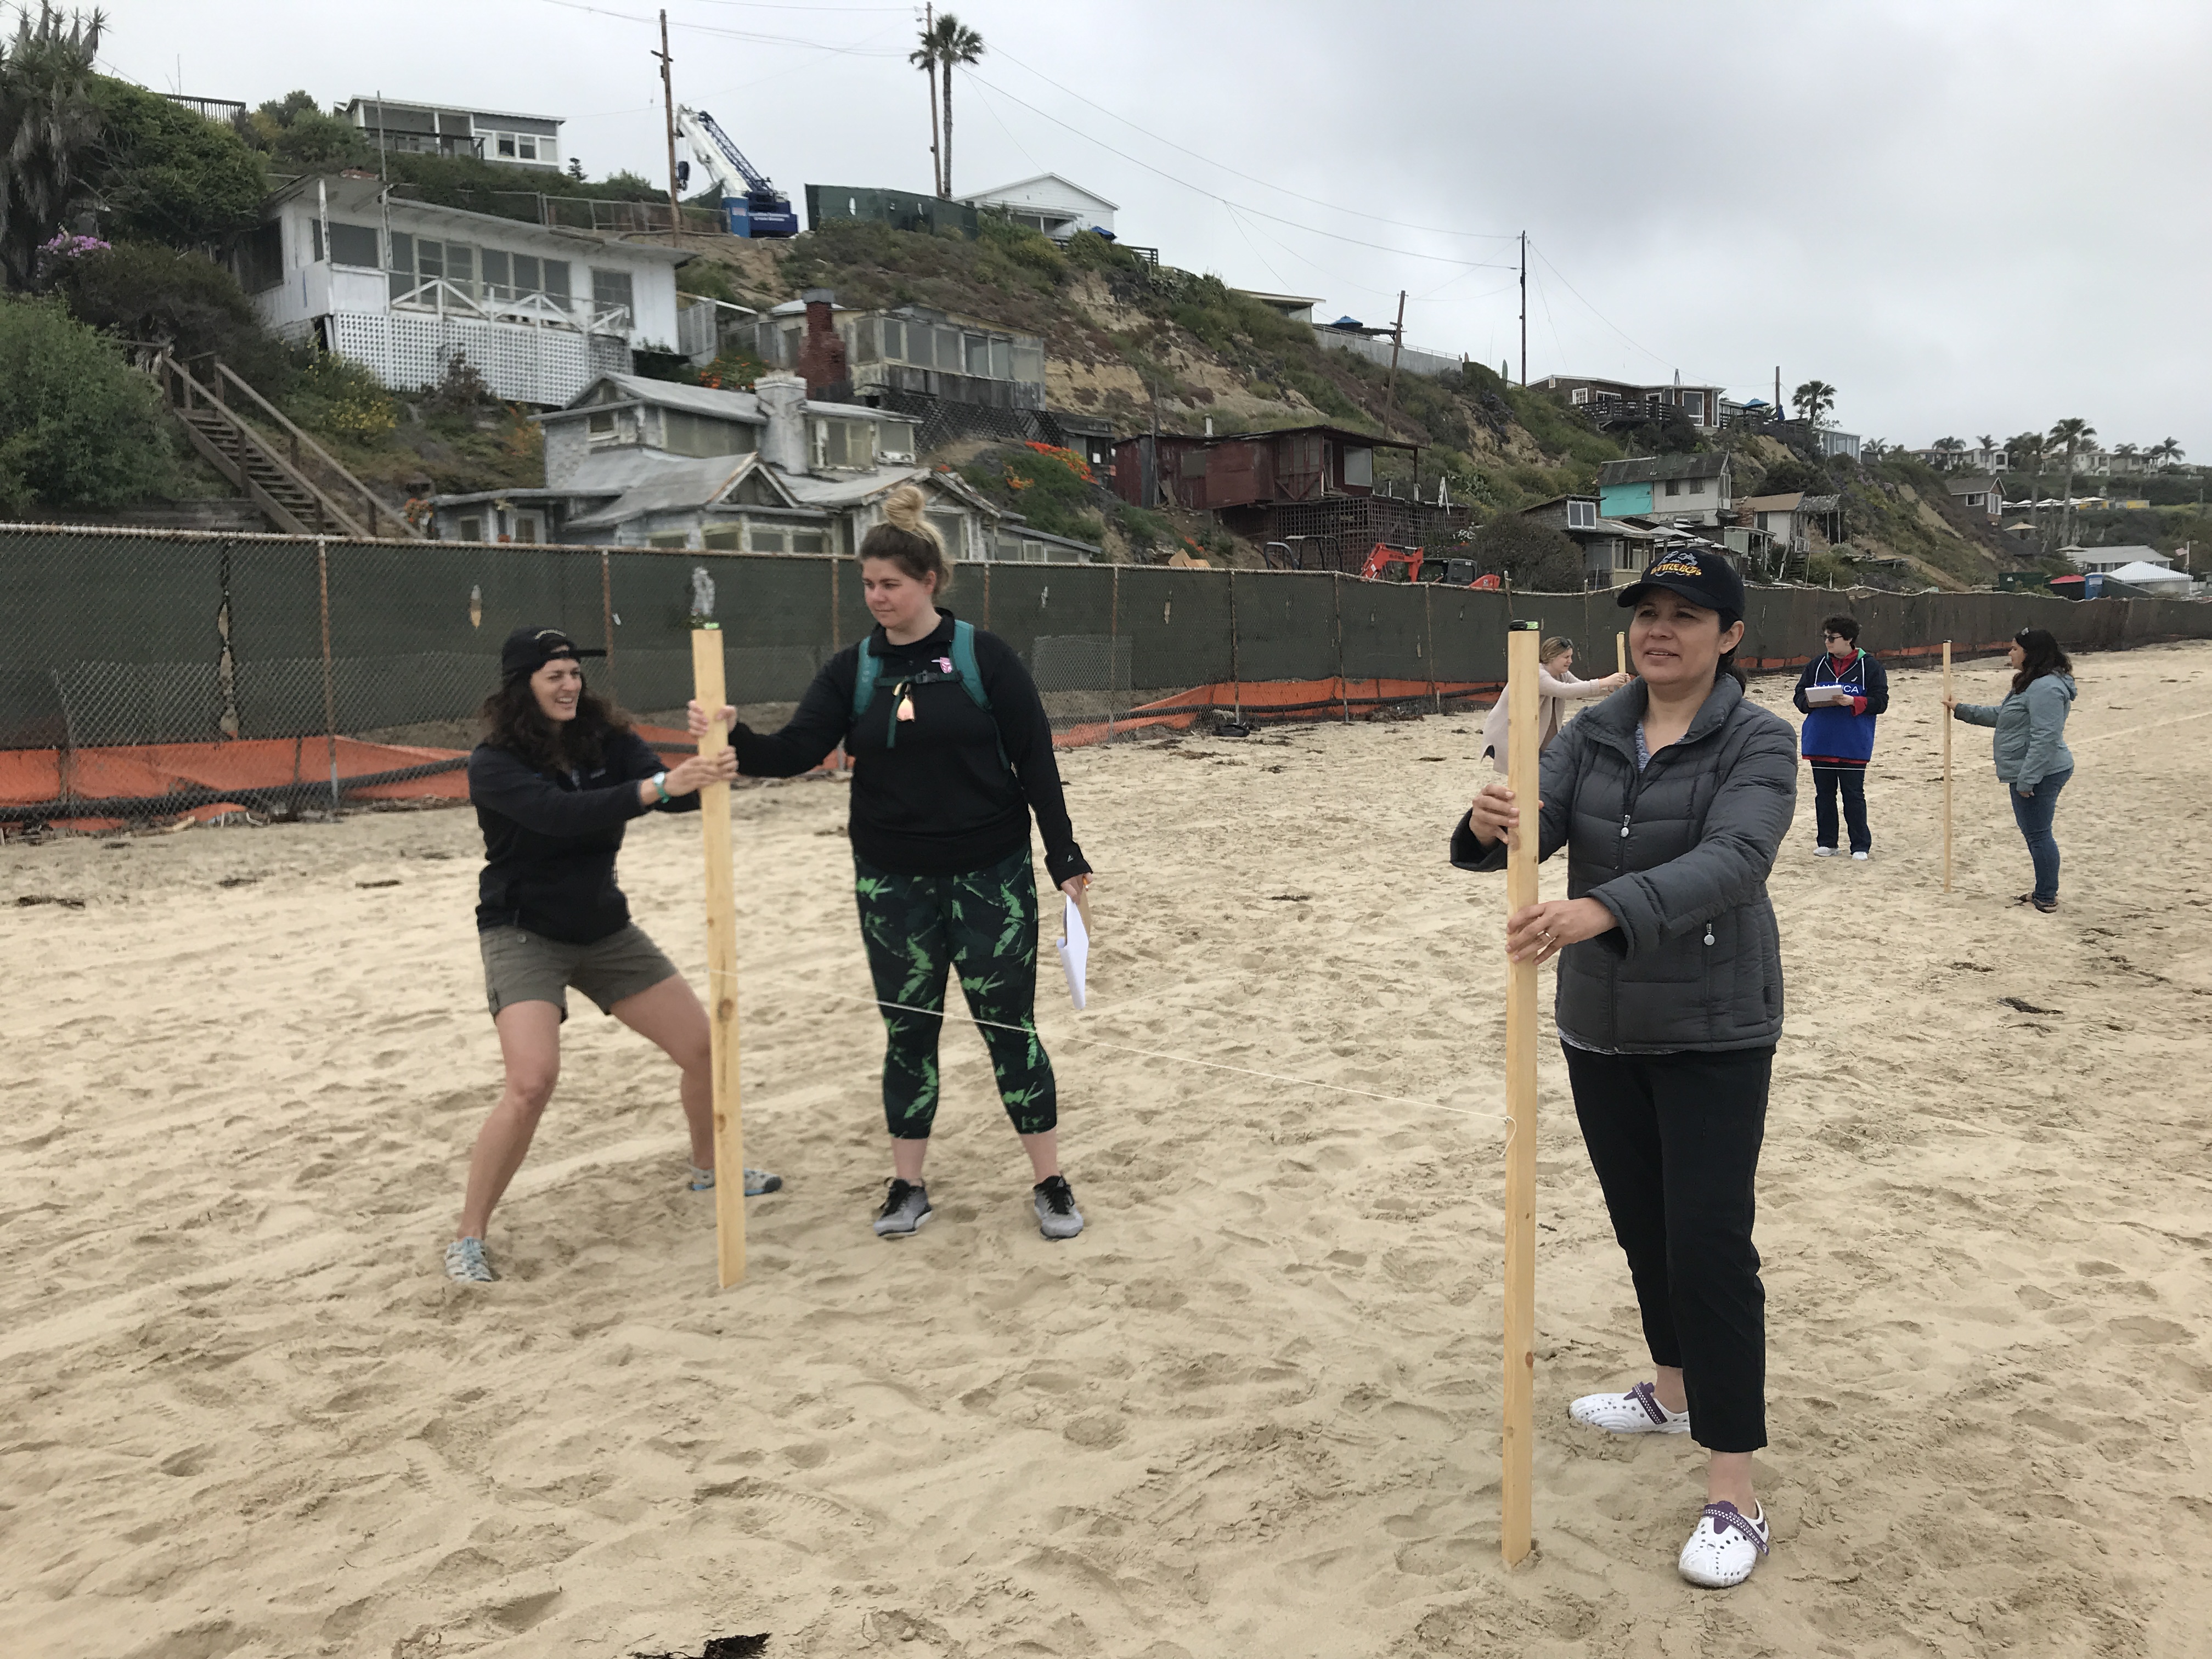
(1691, 488)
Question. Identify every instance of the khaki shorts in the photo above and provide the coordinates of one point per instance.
(520, 966)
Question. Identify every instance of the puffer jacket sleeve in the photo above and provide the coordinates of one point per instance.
(2048, 705)
(1749, 814)
(1555, 789)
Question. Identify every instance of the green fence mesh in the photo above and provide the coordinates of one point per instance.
(111, 639)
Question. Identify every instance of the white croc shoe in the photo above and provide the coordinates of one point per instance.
(1725, 1546)
(1637, 1412)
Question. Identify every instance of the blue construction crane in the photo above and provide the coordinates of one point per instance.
(755, 206)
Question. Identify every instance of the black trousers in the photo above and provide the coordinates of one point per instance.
(1675, 1140)
(1829, 779)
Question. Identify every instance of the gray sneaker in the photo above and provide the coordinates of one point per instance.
(905, 1206)
(465, 1262)
(1057, 1216)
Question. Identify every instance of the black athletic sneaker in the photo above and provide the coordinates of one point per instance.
(1057, 1216)
(905, 1206)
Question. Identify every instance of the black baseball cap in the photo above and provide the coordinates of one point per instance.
(529, 649)
(1699, 574)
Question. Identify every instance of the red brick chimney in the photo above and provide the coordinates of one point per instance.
(822, 353)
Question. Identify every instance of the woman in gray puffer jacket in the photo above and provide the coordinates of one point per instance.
(1672, 797)
(2029, 747)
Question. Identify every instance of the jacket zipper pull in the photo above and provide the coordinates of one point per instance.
(1624, 826)
(1709, 933)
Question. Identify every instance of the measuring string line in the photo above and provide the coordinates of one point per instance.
(1031, 1029)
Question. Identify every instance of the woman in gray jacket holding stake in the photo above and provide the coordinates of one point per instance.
(1671, 797)
(2030, 748)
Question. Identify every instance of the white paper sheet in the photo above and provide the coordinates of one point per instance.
(1074, 951)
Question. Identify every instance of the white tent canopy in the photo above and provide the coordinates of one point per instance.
(2143, 574)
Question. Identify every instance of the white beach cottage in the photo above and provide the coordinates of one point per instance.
(402, 287)
(649, 463)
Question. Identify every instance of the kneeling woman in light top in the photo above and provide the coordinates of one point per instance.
(1671, 798)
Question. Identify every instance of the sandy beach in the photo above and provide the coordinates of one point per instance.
(1253, 1410)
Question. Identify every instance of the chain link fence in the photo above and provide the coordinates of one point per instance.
(148, 673)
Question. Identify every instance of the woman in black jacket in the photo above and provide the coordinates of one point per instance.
(554, 781)
(952, 751)
(1672, 797)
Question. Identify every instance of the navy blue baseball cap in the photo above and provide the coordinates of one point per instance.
(1699, 574)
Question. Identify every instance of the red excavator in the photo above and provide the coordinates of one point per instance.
(1386, 558)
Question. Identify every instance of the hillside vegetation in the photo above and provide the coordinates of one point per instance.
(1133, 343)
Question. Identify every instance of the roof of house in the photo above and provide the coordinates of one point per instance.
(642, 482)
(1982, 485)
(1788, 503)
(993, 194)
(2124, 553)
(706, 400)
(1652, 468)
(349, 194)
(373, 100)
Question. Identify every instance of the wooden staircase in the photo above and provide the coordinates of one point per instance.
(293, 481)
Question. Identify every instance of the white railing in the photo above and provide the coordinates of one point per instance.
(442, 297)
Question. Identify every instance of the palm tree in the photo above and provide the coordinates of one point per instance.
(2168, 452)
(1950, 447)
(2072, 433)
(47, 129)
(947, 43)
(1813, 399)
(2025, 450)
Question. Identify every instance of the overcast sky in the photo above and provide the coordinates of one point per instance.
(1969, 218)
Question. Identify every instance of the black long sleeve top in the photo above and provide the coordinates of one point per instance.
(941, 802)
(551, 839)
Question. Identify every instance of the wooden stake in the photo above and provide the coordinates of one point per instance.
(1515, 1521)
(1947, 770)
(1620, 652)
(721, 968)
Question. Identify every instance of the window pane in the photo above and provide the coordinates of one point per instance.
(495, 275)
(526, 279)
(766, 540)
(979, 355)
(833, 443)
(526, 149)
(726, 539)
(601, 425)
(507, 143)
(525, 527)
(353, 244)
(1029, 363)
(315, 238)
(948, 350)
(472, 530)
(808, 541)
(893, 340)
(403, 251)
(610, 288)
(460, 266)
(1002, 360)
(556, 280)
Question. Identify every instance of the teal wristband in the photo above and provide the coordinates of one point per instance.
(659, 782)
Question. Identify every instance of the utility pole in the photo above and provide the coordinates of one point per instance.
(1397, 342)
(1777, 391)
(928, 32)
(1524, 308)
(668, 103)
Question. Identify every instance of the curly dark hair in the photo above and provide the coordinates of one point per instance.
(515, 723)
(2040, 655)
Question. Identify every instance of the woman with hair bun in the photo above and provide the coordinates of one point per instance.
(951, 753)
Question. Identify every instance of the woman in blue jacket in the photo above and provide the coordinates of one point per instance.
(1838, 740)
(2030, 748)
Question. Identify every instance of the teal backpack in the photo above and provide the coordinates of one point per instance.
(871, 668)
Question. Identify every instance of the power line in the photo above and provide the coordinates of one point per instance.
(1436, 230)
(1595, 313)
(752, 36)
(1257, 213)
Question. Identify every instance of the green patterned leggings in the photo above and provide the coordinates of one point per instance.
(984, 924)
